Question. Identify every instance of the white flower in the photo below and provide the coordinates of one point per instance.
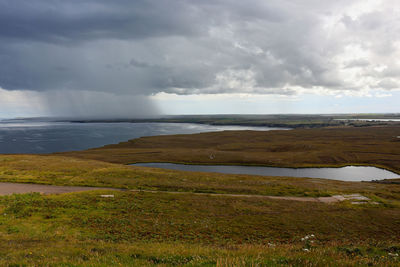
(308, 237)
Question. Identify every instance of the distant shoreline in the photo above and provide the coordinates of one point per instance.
(274, 120)
(279, 122)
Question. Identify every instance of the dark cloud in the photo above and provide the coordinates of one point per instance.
(143, 47)
(74, 21)
(357, 63)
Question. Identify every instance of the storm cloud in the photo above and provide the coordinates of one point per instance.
(144, 47)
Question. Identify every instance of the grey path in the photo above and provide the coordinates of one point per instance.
(16, 188)
(332, 199)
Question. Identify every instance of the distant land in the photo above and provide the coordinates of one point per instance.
(272, 120)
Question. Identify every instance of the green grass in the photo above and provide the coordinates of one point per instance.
(180, 254)
(58, 170)
(144, 229)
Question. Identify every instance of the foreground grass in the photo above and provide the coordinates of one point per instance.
(180, 254)
(144, 229)
(59, 170)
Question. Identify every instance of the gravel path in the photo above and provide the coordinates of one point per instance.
(331, 199)
(16, 188)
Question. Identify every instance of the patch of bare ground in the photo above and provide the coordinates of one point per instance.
(17, 188)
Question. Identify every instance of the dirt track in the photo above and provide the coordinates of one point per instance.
(332, 199)
(15, 188)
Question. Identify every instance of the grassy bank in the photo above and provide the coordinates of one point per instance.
(144, 229)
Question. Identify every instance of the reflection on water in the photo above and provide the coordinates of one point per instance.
(21, 136)
(367, 120)
(349, 173)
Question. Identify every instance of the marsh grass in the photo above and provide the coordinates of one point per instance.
(326, 147)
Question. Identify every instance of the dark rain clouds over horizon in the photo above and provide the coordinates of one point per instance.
(97, 48)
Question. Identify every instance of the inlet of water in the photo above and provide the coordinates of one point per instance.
(349, 173)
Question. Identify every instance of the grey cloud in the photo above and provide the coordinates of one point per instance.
(74, 21)
(388, 84)
(139, 64)
(392, 71)
(358, 63)
(97, 104)
(191, 47)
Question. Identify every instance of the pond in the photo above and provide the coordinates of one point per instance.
(349, 173)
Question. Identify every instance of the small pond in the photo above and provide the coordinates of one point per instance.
(349, 173)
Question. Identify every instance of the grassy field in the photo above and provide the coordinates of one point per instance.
(144, 229)
(161, 229)
(376, 146)
(148, 229)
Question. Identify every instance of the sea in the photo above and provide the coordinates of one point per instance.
(26, 136)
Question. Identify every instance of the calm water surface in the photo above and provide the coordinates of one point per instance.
(349, 173)
(19, 136)
(367, 119)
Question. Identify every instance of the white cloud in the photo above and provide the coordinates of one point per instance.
(19, 103)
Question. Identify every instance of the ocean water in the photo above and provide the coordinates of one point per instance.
(33, 137)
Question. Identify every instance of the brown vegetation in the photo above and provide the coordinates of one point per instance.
(376, 146)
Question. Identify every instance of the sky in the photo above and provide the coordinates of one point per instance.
(123, 58)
